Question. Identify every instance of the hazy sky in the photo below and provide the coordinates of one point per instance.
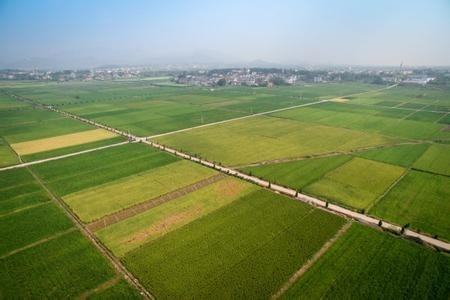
(369, 32)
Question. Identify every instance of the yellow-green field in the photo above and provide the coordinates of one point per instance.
(61, 141)
(265, 138)
(154, 223)
(357, 183)
(101, 200)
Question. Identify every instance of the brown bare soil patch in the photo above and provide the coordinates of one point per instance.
(164, 225)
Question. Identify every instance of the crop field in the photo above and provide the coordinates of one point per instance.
(368, 119)
(259, 241)
(32, 124)
(98, 201)
(436, 160)
(7, 155)
(62, 267)
(146, 109)
(61, 141)
(19, 190)
(150, 225)
(72, 149)
(368, 264)
(421, 200)
(343, 186)
(184, 230)
(37, 134)
(80, 172)
(42, 254)
(265, 138)
(19, 229)
(297, 174)
(402, 155)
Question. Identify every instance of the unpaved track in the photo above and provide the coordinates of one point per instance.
(105, 285)
(311, 261)
(144, 206)
(52, 237)
(336, 209)
(368, 220)
(267, 112)
(22, 165)
(88, 234)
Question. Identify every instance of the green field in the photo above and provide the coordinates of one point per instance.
(199, 235)
(147, 108)
(297, 174)
(367, 118)
(95, 202)
(42, 255)
(61, 268)
(120, 290)
(150, 225)
(31, 225)
(266, 138)
(357, 183)
(258, 242)
(368, 264)
(19, 190)
(80, 172)
(421, 200)
(402, 155)
(32, 124)
(436, 160)
(7, 155)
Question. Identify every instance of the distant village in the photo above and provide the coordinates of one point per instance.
(255, 77)
(267, 77)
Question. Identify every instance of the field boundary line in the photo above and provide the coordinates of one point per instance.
(384, 194)
(142, 207)
(266, 112)
(310, 262)
(101, 287)
(443, 116)
(325, 154)
(333, 208)
(37, 243)
(24, 208)
(26, 164)
(236, 119)
(428, 172)
(104, 251)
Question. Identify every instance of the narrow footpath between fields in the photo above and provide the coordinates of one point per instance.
(118, 266)
(368, 220)
(311, 261)
(336, 209)
(151, 203)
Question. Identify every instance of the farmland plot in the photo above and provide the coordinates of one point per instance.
(31, 225)
(421, 200)
(56, 142)
(63, 267)
(7, 156)
(150, 225)
(19, 190)
(297, 174)
(436, 160)
(367, 264)
(247, 249)
(95, 202)
(357, 184)
(266, 138)
(80, 172)
(402, 155)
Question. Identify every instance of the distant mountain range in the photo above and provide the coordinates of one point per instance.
(204, 58)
